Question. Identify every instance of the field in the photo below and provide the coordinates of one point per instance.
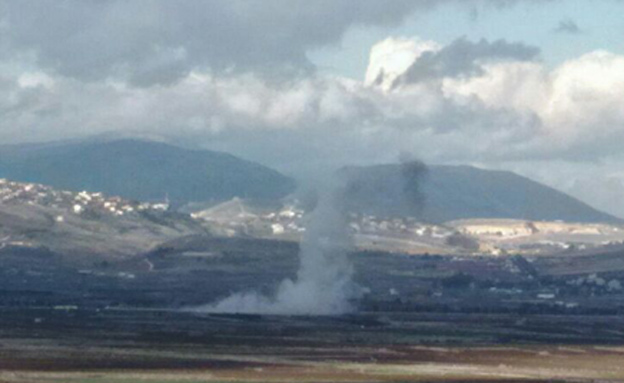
(170, 346)
(424, 318)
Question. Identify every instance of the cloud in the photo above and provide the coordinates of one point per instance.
(486, 102)
(575, 104)
(568, 26)
(392, 57)
(495, 104)
(159, 41)
(464, 58)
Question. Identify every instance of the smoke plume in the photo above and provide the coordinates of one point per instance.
(413, 172)
(387, 190)
(323, 285)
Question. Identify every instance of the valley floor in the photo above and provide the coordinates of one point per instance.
(43, 345)
(428, 318)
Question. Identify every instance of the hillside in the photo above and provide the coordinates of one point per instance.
(84, 225)
(143, 170)
(151, 171)
(448, 193)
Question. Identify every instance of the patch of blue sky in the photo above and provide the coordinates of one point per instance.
(600, 21)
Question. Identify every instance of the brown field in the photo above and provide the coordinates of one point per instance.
(47, 363)
(177, 347)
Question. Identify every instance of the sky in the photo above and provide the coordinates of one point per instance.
(532, 86)
(591, 25)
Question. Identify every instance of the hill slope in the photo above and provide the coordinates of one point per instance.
(143, 170)
(148, 171)
(460, 192)
(84, 225)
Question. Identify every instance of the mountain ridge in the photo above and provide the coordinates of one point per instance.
(144, 170)
(153, 171)
(452, 192)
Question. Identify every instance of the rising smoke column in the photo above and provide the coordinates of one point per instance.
(323, 285)
(412, 175)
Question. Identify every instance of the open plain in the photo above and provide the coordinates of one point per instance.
(167, 346)
(422, 318)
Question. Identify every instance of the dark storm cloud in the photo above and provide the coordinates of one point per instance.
(156, 41)
(160, 41)
(463, 58)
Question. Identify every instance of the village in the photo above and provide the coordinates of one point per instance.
(72, 202)
(495, 237)
(86, 224)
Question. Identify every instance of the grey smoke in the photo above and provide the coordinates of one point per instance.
(323, 285)
(324, 282)
(387, 190)
(413, 173)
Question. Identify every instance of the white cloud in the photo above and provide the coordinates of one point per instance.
(578, 104)
(35, 79)
(586, 97)
(391, 57)
(520, 86)
(495, 111)
(497, 106)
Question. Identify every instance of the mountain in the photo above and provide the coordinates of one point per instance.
(150, 171)
(143, 170)
(447, 193)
